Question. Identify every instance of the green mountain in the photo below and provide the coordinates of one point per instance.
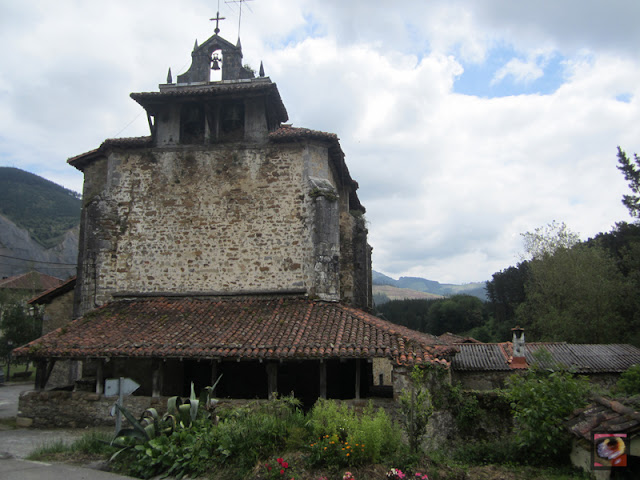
(47, 211)
(423, 285)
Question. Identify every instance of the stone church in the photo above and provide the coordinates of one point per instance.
(226, 242)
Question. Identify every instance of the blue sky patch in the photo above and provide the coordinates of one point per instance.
(479, 79)
(311, 28)
(624, 97)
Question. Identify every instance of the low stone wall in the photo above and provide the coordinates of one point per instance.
(58, 409)
(78, 409)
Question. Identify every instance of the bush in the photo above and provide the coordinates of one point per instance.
(541, 399)
(629, 381)
(343, 438)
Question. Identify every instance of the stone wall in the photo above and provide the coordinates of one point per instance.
(488, 380)
(78, 409)
(57, 313)
(187, 220)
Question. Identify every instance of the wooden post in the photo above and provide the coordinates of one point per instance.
(41, 373)
(272, 379)
(323, 379)
(157, 378)
(214, 374)
(358, 374)
(100, 377)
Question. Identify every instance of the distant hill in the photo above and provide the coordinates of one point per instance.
(39, 224)
(416, 287)
(44, 209)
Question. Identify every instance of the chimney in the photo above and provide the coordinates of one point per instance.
(518, 359)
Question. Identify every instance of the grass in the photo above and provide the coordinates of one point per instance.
(8, 423)
(90, 447)
(20, 368)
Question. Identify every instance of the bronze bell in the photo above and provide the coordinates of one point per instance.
(215, 65)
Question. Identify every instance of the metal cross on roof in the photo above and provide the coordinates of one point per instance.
(217, 18)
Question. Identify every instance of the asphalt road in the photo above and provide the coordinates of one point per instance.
(20, 442)
(9, 394)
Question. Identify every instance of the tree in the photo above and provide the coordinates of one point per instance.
(631, 172)
(19, 325)
(545, 241)
(506, 291)
(577, 295)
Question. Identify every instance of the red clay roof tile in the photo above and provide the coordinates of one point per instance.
(241, 328)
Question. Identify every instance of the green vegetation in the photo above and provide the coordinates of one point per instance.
(416, 408)
(631, 174)
(541, 399)
(459, 313)
(263, 439)
(629, 381)
(46, 210)
(19, 324)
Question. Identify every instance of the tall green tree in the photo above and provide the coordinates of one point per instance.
(631, 171)
(506, 291)
(577, 295)
(19, 325)
(545, 241)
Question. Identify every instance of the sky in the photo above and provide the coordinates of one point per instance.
(465, 122)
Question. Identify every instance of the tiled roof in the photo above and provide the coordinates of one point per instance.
(287, 133)
(583, 358)
(31, 281)
(226, 88)
(52, 293)
(604, 415)
(237, 328)
(449, 337)
(79, 161)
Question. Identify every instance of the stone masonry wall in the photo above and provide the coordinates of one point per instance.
(187, 220)
(58, 409)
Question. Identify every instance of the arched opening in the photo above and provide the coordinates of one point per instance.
(216, 66)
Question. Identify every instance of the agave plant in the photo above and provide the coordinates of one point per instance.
(180, 414)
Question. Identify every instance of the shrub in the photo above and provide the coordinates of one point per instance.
(345, 439)
(629, 381)
(541, 399)
(416, 408)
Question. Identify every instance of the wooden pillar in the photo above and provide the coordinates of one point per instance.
(323, 379)
(214, 374)
(100, 377)
(41, 373)
(272, 379)
(358, 375)
(157, 379)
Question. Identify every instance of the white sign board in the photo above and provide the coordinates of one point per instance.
(111, 387)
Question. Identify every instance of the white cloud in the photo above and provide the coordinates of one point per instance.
(449, 180)
(522, 72)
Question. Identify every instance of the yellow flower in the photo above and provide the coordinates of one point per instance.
(347, 454)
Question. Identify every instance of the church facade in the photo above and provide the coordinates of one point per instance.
(225, 242)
